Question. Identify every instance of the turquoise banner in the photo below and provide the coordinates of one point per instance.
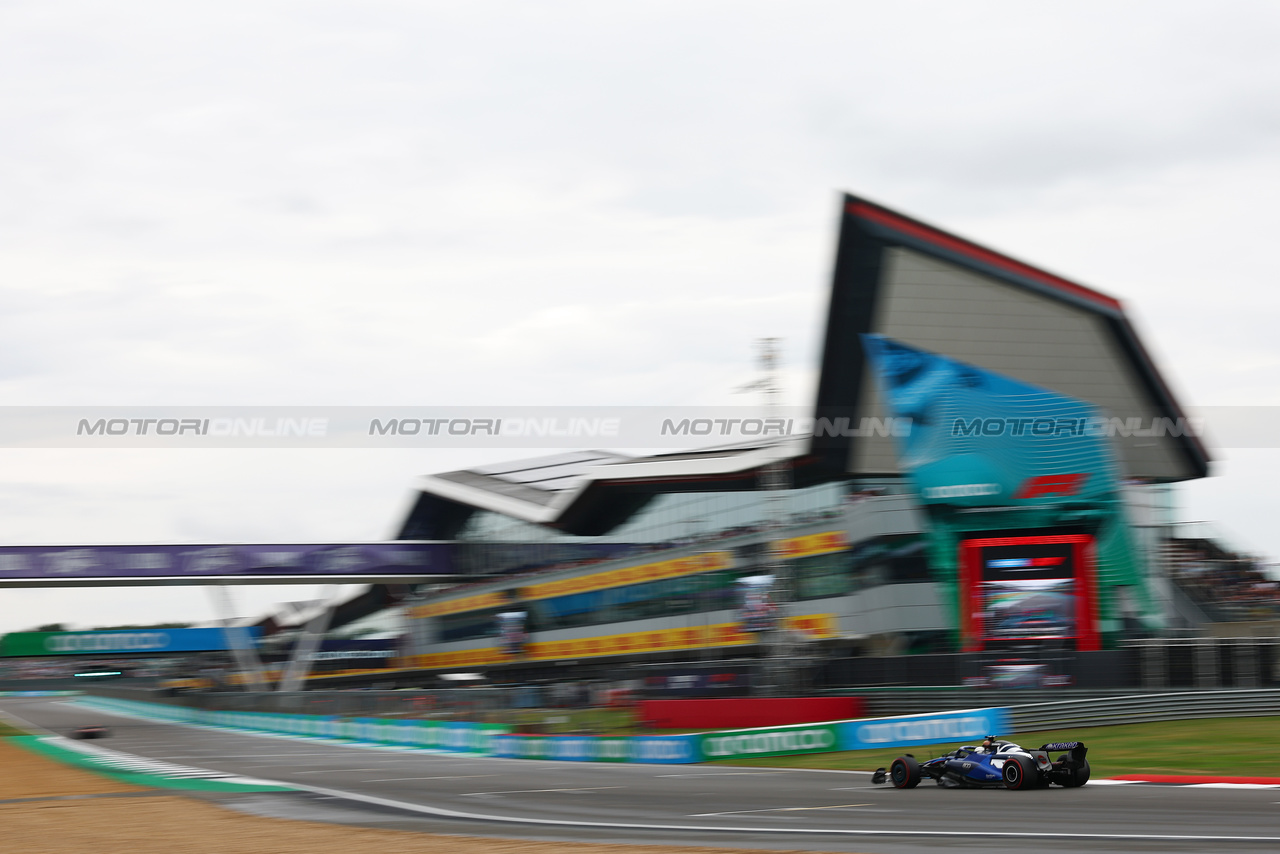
(966, 726)
(979, 438)
(992, 457)
(657, 749)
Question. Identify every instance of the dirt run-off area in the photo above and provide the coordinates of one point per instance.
(47, 808)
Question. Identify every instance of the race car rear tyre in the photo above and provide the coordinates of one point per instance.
(1078, 776)
(1020, 773)
(904, 773)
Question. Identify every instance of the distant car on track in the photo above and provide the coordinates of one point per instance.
(1003, 764)
(90, 732)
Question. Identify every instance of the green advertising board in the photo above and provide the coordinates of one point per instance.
(773, 741)
(116, 642)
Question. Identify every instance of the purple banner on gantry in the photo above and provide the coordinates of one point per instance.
(226, 561)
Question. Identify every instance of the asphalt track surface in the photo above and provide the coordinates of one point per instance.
(682, 804)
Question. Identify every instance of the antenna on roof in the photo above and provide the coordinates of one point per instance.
(768, 381)
(775, 480)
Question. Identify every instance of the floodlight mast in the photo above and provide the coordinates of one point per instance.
(243, 647)
(308, 641)
(775, 481)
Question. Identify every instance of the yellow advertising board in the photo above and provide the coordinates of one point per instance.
(809, 545)
(813, 544)
(478, 602)
(674, 568)
(814, 626)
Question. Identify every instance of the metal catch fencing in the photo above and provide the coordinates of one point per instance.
(1145, 708)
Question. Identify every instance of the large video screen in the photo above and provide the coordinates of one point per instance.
(758, 612)
(1027, 589)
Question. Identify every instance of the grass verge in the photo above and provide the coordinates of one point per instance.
(7, 730)
(1237, 747)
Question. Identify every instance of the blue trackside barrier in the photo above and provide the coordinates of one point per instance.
(452, 736)
(923, 729)
(658, 749)
(497, 740)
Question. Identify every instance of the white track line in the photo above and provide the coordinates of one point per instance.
(137, 764)
(798, 831)
(535, 791)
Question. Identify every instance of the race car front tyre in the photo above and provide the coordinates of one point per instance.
(1020, 773)
(904, 773)
(1078, 775)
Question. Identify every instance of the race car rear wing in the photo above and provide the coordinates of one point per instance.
(1075, 748)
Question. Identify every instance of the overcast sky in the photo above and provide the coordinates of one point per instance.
(366, 203)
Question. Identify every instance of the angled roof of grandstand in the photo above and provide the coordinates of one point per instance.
(934, 291)
(903, 279)
(585, 493)
(539, 481)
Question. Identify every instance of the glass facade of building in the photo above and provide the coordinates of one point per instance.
(883, 560)
(493, 543)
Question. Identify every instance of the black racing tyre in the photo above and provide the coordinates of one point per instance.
(1020, 773)
(904, 773)
(1079, 775)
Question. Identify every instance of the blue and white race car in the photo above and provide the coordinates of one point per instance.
(996, 763)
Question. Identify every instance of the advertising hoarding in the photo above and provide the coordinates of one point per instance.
(130, 642)
(771, 741)
(943, 727)
(63, 565)
(496, 739)
(654, 749)
(979, 438)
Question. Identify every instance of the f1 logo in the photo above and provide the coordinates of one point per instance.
(1051, 484)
